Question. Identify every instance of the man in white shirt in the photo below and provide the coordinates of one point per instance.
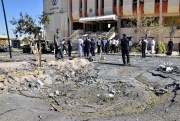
(113, 45)
(146, 44)
(104, 44)
(80, 46)
(153, 46)
(99, 45)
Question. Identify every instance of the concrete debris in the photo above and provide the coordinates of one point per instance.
(39, 83)
(51, 95)
(167, 67)
(160, 91)
(79, 87)
(57, 92)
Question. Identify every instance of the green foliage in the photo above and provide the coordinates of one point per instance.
(25, 40)
(160, 47)
(135, 49)
(43, 19)
(25, 24)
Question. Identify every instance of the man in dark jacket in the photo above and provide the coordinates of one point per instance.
(143, 48)
(170, 46)
(86, 47)
(92, 43)
(69, 47)
(125, 49)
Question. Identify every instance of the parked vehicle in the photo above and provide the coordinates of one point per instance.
(32, 47)
(26, 48)
(3, 48)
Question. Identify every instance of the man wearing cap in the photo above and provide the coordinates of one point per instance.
(125, 49)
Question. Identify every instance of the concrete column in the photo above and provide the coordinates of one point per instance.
(84, 27)
(119, 26)
(83, 8)
(138, 18)
(117, 7)
(99, 2)
(160, 20)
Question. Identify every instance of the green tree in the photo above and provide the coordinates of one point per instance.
(44, 20)
(146, 25)
(25, 24)
(25, 40)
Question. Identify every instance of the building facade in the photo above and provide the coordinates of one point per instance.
(90, 16)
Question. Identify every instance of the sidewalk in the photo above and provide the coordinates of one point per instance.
(174, 54)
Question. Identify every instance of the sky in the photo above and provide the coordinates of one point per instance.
(34, 8)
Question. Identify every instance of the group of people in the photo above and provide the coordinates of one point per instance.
(87, 47)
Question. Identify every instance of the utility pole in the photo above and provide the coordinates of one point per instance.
(6, 28)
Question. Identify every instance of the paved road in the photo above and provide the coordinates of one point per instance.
(15, 107)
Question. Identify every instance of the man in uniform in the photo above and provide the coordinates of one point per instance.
(125, 49)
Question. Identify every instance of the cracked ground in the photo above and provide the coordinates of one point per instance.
(79, 90)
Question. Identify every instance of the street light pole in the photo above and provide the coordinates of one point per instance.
(6, 28)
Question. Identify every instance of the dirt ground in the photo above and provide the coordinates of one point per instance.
(75, 89)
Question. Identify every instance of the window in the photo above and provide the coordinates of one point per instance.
(128, 23)
(70, 7)
(97, 4)
(77, 26)
(102, 3)
(121, 2)
(134, 1)
(114, 3)
(141, 1)
(134, 6)
(80, 5)
(157, 1)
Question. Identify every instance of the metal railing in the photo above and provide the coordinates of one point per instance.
(111, 34)
(75, 34)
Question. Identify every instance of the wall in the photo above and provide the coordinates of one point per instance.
(108, 7)
(91, 8)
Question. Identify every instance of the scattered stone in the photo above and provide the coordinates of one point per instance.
(57, 92)
(161, 91)
(151, 88)
(40, 83)
(51, 95)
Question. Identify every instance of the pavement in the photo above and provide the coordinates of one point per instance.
(174, 54)
(111, 73)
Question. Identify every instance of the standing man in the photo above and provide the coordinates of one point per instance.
(146, 40)
(143, 48)
(92, 48)
(114, 45)
(80, 47)
(170, 46)
(153, 46)
(69, 47)
(125, 49)
(58, 45)
(104, 45)
(86, 47)
(99, 45)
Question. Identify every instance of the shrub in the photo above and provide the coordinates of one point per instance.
(135, 49)
(160, 47)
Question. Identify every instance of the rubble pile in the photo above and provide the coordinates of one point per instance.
(168, 68)
(76, 88)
